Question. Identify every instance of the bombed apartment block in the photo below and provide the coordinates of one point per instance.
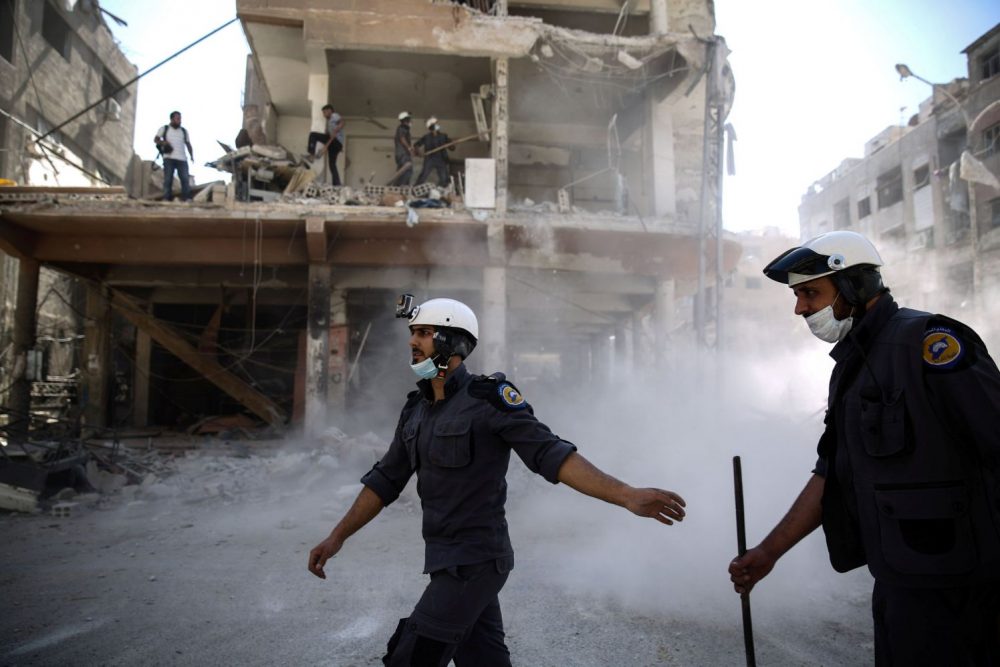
(564, 182)
(927, 193)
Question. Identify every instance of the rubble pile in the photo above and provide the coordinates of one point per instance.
(235, 472)
(273, 173)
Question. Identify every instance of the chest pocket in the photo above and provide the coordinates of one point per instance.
(883, 423)
(410, 432)
(451, 446)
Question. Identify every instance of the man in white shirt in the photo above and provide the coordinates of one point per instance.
(173, 143)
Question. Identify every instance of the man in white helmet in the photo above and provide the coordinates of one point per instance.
(907, 478)
(403, 151)
(457, 432)
(435, 159)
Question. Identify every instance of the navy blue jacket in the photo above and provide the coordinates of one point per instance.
(911, 449)
(460, 449)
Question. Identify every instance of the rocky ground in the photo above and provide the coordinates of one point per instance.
(204, 562)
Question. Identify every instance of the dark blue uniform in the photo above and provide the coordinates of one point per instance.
(438, 162)
(401, 141)
(460, 449)
(910, 455)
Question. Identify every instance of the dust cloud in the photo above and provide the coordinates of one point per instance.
(680, 432)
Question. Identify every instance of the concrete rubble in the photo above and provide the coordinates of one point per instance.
(194, 470)
(273, 173)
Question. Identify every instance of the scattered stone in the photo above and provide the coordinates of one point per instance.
(65, 494)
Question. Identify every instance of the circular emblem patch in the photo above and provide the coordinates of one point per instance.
(511, 396)
(942, 348)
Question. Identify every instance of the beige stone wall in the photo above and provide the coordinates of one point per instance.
(40, 81)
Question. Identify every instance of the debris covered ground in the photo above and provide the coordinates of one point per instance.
(204, 563)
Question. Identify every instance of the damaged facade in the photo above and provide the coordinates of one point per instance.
(55, 59)
(933, 211)
(572, 223)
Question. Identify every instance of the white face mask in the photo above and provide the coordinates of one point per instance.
(425, 370)
(825, 326)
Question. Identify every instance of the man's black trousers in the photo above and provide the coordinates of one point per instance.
(457, 618)
(936, 626)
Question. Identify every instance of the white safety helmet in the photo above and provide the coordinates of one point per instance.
(431, 122)
(851, 261)
(456, 329)
(821, 256)
(447, 313)
(403, 115)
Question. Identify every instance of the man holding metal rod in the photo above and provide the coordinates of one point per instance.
(907, 476)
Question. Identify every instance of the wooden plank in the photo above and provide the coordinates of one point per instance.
(165, 335)
(174, 251)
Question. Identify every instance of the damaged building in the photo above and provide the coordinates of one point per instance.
(580, 218)
(928, 193)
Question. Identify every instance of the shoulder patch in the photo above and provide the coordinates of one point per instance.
(511, 397)
(500, 393)
(942, 347)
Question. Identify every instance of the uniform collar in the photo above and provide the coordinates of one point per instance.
(864, 332)
(456, 380)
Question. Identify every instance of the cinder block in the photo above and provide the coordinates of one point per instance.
(63, 510)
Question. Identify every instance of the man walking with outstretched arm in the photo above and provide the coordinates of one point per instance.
(456, 432)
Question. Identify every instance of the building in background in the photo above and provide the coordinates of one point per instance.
(751, 298)
(56, 59)
(574, 226)
(934, 216)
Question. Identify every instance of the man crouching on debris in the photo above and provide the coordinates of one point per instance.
(456, 432)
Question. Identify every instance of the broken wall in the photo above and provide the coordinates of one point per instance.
(69, 60)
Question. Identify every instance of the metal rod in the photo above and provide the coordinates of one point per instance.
(357, 357)
(741, 541)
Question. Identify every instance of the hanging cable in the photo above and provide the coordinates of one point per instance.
(136, 78)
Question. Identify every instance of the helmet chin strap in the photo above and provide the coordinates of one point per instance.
(443, 350)
(442, 365)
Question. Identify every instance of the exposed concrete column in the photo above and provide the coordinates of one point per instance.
(621, 365)
(659, 22)
(96, 358)
(639, 355)
(601, 355)
(501, 126)
(317, 349)
(659, 157)
(493, 324)
(140, 378)
(336, 396)
(23, 341)
(319, 91)
(663, 319)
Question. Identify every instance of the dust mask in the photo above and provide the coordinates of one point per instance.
(825, 326)
(425, 370)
